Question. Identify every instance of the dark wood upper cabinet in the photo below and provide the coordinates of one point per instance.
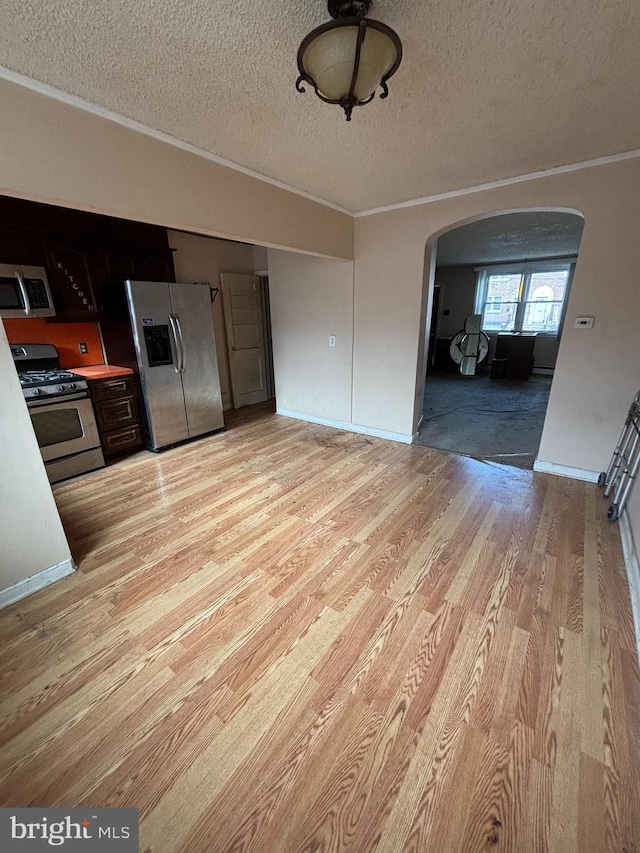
(69, 269)
(157, 266)
(119, 262)
(138, 262)
(18, 246)
(85, 254)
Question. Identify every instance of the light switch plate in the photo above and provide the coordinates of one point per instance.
(332, 340)
(583, 323)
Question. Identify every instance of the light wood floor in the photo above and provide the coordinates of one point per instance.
(287, 638)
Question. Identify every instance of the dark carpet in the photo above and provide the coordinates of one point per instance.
(500, 421)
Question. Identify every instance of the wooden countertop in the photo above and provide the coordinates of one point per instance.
(101, 371)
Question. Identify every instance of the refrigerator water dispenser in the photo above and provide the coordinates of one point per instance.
(158, 345)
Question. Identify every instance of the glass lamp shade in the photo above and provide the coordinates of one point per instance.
(330, 57)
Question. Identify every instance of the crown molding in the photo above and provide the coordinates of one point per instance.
(505, 182)
(102, 112)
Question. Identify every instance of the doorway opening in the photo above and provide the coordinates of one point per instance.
(498, 308)
(239, 278)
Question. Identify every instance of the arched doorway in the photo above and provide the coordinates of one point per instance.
(512, 270)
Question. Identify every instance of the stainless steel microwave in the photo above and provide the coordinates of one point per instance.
(24, 292)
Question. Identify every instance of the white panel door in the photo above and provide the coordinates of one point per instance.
(242, 304)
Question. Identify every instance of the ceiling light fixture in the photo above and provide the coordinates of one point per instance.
(347, 59)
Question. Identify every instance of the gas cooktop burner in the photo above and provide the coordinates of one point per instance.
(46, 377)
(42, 378)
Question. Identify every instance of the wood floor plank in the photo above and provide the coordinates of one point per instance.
(534, 831)
(564, 835)
(281, 688)
(591, 811)
(592, 723)
(486, 811)
(286, 638)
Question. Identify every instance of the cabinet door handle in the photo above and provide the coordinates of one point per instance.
(124, 436)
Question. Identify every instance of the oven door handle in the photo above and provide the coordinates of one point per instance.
(25, 295)
(174, 332)
(43, 401)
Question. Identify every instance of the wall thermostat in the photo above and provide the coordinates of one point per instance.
(583, 323)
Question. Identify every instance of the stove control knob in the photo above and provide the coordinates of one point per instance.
(59, 387)
(72, 386)
(36, 392)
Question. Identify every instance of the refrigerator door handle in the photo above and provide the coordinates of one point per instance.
(174, 333)
(183, 355)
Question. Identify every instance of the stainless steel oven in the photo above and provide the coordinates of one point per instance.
(67, 435)
(61, 412)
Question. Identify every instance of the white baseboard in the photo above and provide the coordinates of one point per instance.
(29, 585)
(565, 471)
(633, 571)
(543, 371)
(377, 433)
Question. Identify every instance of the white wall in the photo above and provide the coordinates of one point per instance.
(32, 537)
(312, 298)
(203, 259)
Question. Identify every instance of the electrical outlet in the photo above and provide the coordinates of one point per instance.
(332, 340)
(83, 348)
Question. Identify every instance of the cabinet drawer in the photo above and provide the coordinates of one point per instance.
(113, 414)
(121, 440)
(119, 386)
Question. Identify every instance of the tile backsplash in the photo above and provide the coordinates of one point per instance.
(65, 336)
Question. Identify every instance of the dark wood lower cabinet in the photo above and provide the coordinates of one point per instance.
(114, 414)
(116, 404)
(122, 442)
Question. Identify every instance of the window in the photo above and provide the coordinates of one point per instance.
(523, 297)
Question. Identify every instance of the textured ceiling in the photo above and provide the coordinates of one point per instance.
(512, 237)
(487, 89)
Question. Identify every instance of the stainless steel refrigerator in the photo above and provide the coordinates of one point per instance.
(176, 352)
